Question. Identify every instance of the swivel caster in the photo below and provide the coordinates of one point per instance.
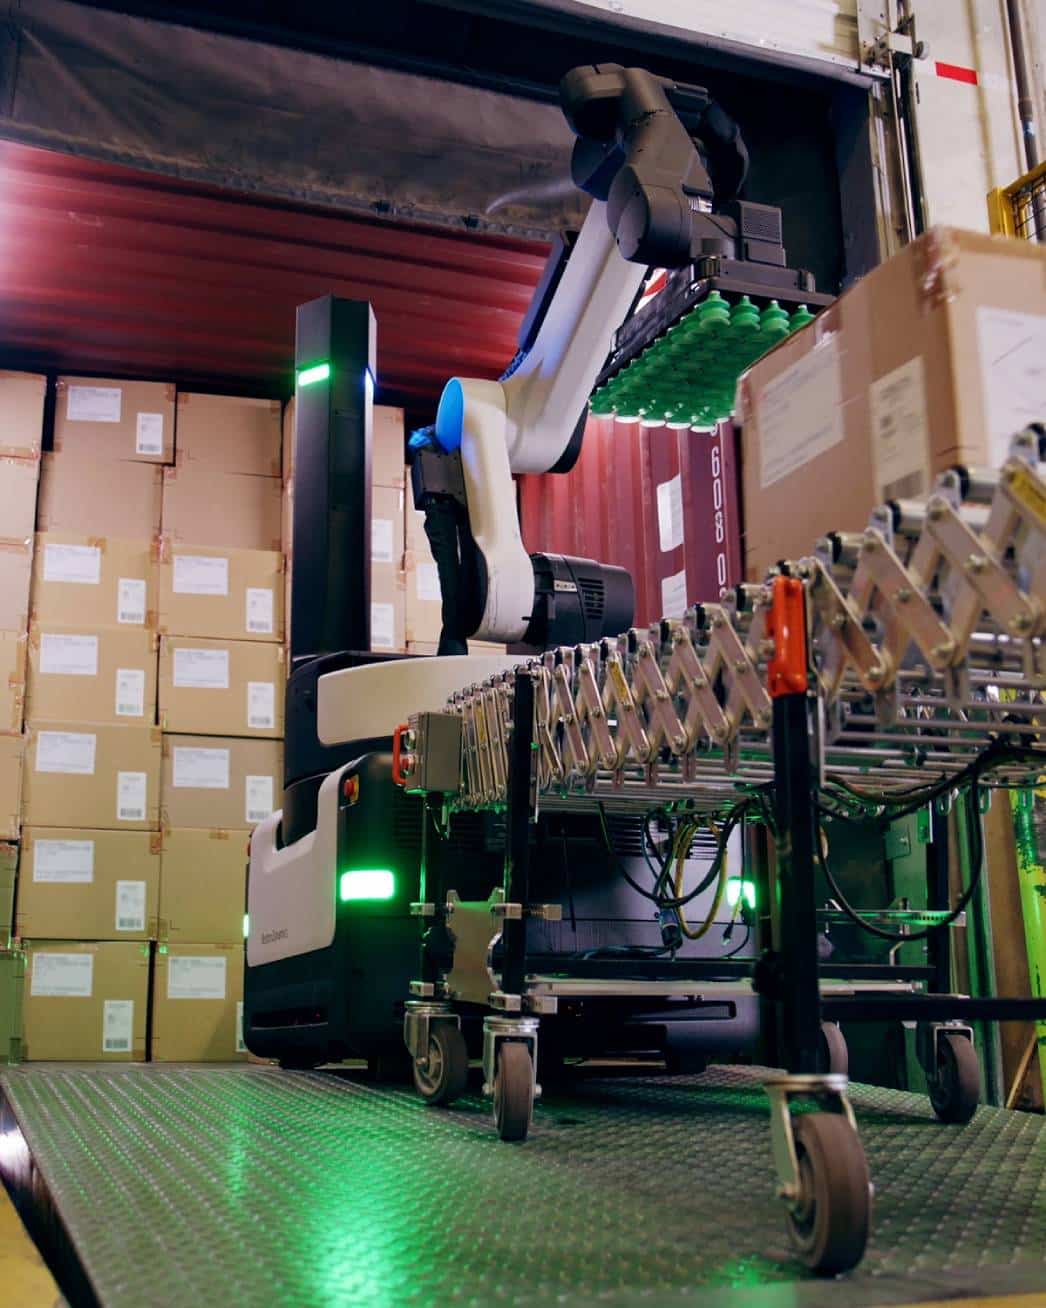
(823, 1172)
(442, 1076)
(513, 1092)
(955, 1089)
(833, 1055)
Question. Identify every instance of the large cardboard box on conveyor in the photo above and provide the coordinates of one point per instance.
(198, 1003)
(933, 359)
(78, 882)
(113, 420)
(86, 1001)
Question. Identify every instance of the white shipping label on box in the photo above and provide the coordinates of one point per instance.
(381, 540)
(66, 751)
(194, 977)
(241, 1048)
(900, 432)
(426, 582)
(130, 692)
(200, 574)
(68, 976)
(382, 626)
(130, 601)
(670, 513)
(79, 564)
(800, 413)
(130, 905)
(196, 768)
(64, 860)
(131, 795)
(1013, 374)
(261, 705)
(201, 669)
(260, 791)
(94, 404)
(673, 595)
(68, 656)
(148, 436)
(117, 1026)
(259, 611)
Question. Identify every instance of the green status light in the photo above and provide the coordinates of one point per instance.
(366, 883)
(246, 926)
(317, 373)
(735, 888)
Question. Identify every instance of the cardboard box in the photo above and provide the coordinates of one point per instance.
(423, 603)
(198, 1003)
(8, 875)
(203, 887)
(934, 358)
(12, 988)
(19, 479)
(204, 507)
(113, 420)
(84, 674)
(387, 579)
(388, 448)
(90, 775)
(77, 882)
(22, 396)
(86, 1001)
(96, 581)
(16, 568)
(12, 680)
(229, 434)
(288, 438)
(224, 593)
(12, 760)
(287, 518)
(221, 687)
(97, 498)
(219, 782)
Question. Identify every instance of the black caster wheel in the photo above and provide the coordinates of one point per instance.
(833, 1055)
(513, 1091)
(444, 1078)
(830, 1222)
(956, 1089)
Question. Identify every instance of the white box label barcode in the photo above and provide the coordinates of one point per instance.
(148, 437)
(130, 601)
(1012, 347)
(381, 540)
(200, 574)
(79, 564)
(193, 977)
(130, 692)
(382, 626)
(670, 513)
(259, 798)
(117, 1026)
(94, 404)
(673, 595)
(130, 905)
(68, 656)
(259, 610)
(131, 790)
(261, 705)
(63, 860)
(201, 669)
(67, 976)
(196, 768)
(241, 1048)
(800, 413)
(426, 582)
(66, 751)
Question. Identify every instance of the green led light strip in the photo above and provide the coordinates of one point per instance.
(317, 373)
(366, 883)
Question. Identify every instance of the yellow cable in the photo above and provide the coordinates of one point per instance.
(680, 851)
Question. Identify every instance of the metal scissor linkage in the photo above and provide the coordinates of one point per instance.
(900, 661)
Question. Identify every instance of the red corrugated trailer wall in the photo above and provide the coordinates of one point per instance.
(662, 502)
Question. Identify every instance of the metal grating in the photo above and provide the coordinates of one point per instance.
(1029, 209)
(251, 1186)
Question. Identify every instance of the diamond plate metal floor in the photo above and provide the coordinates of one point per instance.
(250, 1186)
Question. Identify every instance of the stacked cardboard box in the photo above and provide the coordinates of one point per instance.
(387, 524)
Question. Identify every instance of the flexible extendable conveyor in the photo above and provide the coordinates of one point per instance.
(256, 1186)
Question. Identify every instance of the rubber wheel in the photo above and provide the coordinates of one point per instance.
(833, 1055)
(513, 1091)
(447, 1073)
(957, 1089)
(829, 1227)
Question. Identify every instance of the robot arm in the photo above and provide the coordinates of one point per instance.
(652, 202)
